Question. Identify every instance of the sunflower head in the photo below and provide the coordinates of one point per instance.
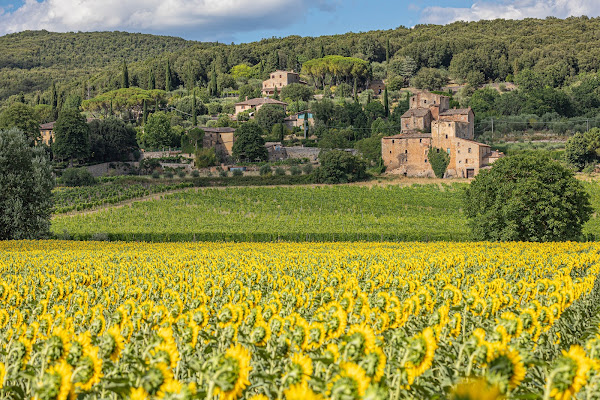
(570, 373)
(300, 391)
(299, 370)
(55, 383)
(351, 383)
(478, 389)
(231, 372)
(506, 369)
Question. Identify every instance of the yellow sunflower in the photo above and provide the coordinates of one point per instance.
(89, 369)
(300, 392)
(2, 374)
(57, 379)
(138, 394)
(240, 357)
(478, 389)
(352, 378)
(570, 373)
(506, 368)
(300, 369)
(421, 351)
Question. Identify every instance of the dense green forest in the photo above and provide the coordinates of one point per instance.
(478, 51)
(31, 60)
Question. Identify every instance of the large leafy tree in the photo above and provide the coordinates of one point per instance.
(25, 188)
(296, 92)
(249, 144)
(111, 139)
(23, 117)
(339, 166)
(527, 197)
(71, 136)
(157, 131)
(269, 115)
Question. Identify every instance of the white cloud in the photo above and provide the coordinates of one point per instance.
(511, 9)
(209, 17)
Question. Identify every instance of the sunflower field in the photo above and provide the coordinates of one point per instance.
(229, 321)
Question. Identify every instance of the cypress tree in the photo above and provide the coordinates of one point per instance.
(276, 94)
(151, 80)
(125, 77)
(54, 102)
(322, 52)
(212, 85)
(387, 58)
(355, 94)
(368, 97)
(194, 117)
(386, 103)
(145, 117)
(168, 77)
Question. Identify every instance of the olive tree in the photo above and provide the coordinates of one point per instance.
(527, 197)
(25, 188)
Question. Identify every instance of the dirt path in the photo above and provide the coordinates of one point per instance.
(386, 180)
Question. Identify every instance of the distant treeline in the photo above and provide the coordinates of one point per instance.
(476, 52)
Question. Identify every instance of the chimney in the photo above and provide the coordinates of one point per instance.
(246, 98)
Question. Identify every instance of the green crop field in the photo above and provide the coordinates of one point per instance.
(283, 213)
(325, 213)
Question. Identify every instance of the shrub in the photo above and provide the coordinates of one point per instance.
(265, 170)
(308, 169)
(155, 174)
(338, 166)
(25, 188)
(77, 177)
(279, 171)
(527, 197)
(295, 170)
(181, 174)
(223, 173)
(169, 174)
(205, 157)
(195, 173)
(439, 161)
(237, 172)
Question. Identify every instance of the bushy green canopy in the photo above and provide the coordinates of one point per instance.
(25, 188)
(527, 197)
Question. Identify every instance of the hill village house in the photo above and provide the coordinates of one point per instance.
(430, 122)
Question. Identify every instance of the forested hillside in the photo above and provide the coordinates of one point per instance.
(31, 60)
(481, 51)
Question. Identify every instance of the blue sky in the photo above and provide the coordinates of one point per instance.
(250, 20)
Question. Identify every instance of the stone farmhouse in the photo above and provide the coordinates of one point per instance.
(256, 104)
(431, 123)
(280, 79)
(221, 139)
(47, 132)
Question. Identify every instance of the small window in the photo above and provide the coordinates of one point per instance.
(448, 151)
(390, 152)
(433, 103)
(425, 161)
(420, 140)
(393, 141)
(405, 151)
(424, 101)
(469, 150)
(438, 150)
(446, 136)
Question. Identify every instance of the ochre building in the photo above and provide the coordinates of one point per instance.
(430, 123)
